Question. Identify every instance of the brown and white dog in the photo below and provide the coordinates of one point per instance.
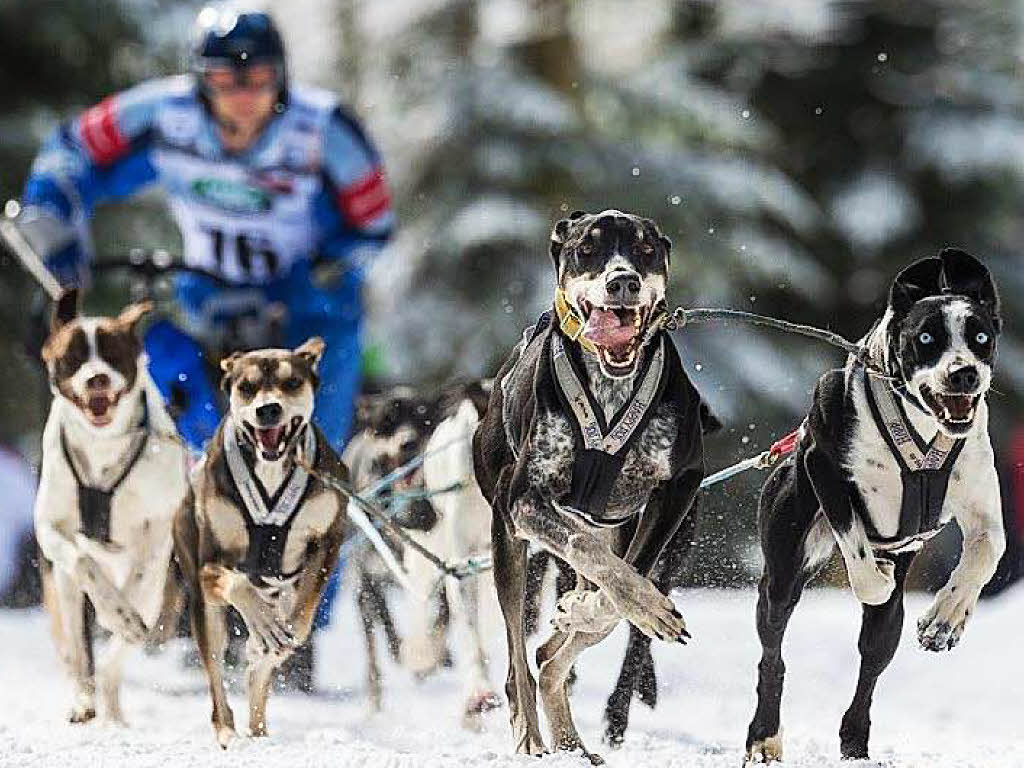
(262, 534)
(113, 475)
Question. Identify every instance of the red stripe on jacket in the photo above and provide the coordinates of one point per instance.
(100, 133)
(365, 200)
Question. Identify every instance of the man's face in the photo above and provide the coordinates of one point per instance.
(243, 97)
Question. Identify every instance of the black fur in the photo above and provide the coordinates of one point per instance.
(815, 478)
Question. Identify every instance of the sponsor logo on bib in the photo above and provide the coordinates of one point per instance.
(233, 196)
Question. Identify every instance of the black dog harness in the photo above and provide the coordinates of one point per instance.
(268, 521)
(93, 502)
(601, 446)
(924, 468)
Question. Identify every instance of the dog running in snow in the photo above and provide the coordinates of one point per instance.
(889, 453)
(591, 449)
(261, 533)
(113, 476)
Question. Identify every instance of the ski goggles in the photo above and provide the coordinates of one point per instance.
(256, 77)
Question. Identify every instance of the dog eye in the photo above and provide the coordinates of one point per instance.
(291, 384)
(925, 338)
(247, 388)
(981, 338)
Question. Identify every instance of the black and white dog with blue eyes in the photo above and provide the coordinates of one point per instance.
(891, 450)
(590, 449)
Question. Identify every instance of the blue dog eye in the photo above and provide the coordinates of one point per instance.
(925, 338)
(981, 338)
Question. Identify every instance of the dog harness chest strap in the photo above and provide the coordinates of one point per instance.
(268, 521)
(925, 469)
(603, 453)
(94, 503)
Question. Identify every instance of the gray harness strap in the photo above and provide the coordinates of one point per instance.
(900, 431)
(594, 437)
(267, 527)
(251, 493)
(924, 473)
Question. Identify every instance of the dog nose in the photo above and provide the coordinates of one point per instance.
(99, 381)
(269, 414)
(624, 287)
(965, 379)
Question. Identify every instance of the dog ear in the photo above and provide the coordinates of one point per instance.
(366, 412)
(558, 236)
(227, 365)
(66, 309)
(133, 313)
(963, 274)
(918, 281)
(312, 350)
(710, 424)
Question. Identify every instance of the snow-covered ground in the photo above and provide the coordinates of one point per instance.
(959, 709)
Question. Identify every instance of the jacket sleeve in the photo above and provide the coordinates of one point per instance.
(354, 214)
(101, 154)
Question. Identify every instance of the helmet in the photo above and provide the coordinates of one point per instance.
(228, 37)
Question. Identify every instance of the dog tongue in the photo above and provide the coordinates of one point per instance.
(270, 437)
(606, 329)
(959, 406)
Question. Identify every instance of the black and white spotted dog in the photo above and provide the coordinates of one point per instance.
(890, 452)
(591, 449)
(113, 475)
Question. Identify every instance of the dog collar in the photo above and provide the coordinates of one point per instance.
(571, 323)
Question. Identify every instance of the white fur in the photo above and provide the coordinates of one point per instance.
(463, 529)
(972, 498)
(125, 579)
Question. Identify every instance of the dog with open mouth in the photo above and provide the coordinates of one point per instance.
(891, 451)
(112, 478)
(261, 533)
(590, 449)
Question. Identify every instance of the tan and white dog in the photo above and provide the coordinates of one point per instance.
(263, 533)
(113, 475)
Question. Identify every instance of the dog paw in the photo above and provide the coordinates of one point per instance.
(942, 625)
(647, 609)
(874, 585)
(226, 735)
(766, 750)
(82, 714)
(269, 635)
(585, 611)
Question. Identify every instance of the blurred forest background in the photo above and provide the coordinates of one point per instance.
(797, 152)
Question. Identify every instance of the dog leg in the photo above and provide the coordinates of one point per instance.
(637, 673)
(880, 631)
(984, 541)
(785, 520)
(871, 579)
(634, 596)
(209, 630)
(108, 678)
(465, 607)
(258, 676)
(262, 619)
(520, 687)
(365, 597)
(113, 610)
(555, 659)
(77, 645)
